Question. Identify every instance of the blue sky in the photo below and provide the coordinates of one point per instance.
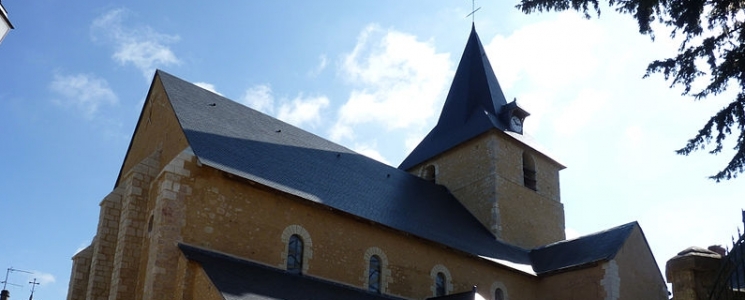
(369, 75)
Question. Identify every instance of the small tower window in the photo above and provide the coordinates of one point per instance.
(529, 173)
(295, 254)
(429, 173)
(374, 274)
(440, 285)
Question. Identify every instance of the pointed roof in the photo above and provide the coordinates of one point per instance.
(238, 140)
(471, 108)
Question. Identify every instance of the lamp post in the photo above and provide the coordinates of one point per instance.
(5, 25)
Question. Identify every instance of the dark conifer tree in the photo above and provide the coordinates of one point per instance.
(713, 33)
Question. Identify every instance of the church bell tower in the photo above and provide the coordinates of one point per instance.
(479, 152)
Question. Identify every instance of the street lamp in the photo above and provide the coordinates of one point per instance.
(5, 25)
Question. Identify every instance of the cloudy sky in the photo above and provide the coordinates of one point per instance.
(369, 75)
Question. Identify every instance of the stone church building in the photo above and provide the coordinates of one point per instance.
(215, 200)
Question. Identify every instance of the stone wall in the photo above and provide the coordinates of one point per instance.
(81, 266)
(639, 275)
(486, 175)
(157, 129)
(167, 218)
(237, 217)
(132, 222)
(104, 246)
(692, 273)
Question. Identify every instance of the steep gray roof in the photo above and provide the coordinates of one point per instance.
(239, 140)
(568, 254)
(244, 142)
(472, 106)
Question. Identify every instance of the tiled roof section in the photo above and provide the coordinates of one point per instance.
(238, 279)
(472, 106)
(582, 251)
(241, 141)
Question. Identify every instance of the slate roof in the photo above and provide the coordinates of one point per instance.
(238, 279)
(241, 141)
(568, 254)
(472, 107)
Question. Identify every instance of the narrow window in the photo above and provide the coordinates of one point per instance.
(295, 255)
(529, 176)
(440, 284)
(374, 275)
(498, 294)
(150, 224)
(429, 173)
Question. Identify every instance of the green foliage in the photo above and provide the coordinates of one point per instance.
(713, 49)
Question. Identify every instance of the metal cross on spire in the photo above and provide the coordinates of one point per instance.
(33, 286)
(473, 11)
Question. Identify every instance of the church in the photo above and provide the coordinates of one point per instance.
(215, 200)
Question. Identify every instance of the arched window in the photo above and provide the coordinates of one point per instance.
(429, 173)
(498, 294)
(298, 251)
(442, 280)
(498, 291)
(440, 288)
(295, 254)
(377, 275)
(529, 173)
(373, 274)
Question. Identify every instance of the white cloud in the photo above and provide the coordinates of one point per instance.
(140, 46)
(259, 97)
(398, 82)
(207, 86)
(299, 111)
(322, 63)
(85, 92)
(303, 110)
(412, 141)
(539, 103)
(580, 111)
(42, 278)
(370, 151)
(551, 54)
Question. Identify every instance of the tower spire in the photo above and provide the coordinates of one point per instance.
(473, 105)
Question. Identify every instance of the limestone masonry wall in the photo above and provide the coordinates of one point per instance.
(132, 223)
(81, 264)
(639, 275)
(486, 175)
(236, 217)
(104, 246)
